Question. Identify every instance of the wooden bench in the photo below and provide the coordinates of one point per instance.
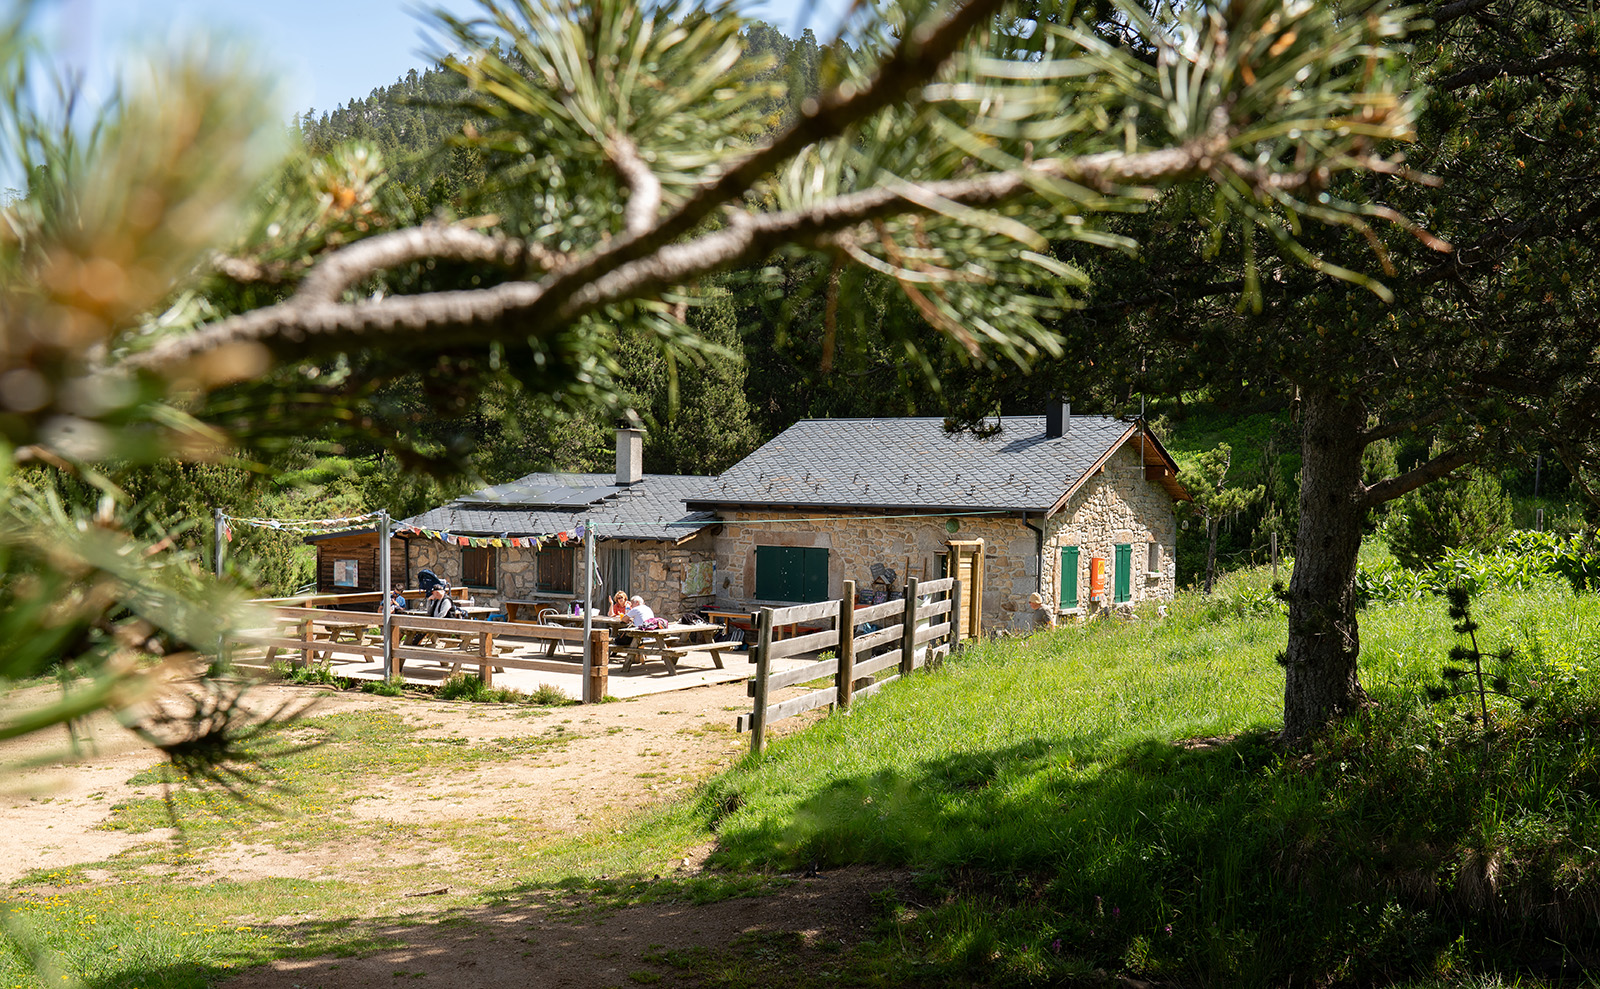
(714, 648)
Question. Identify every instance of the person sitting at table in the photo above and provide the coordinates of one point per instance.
(441, 604)
(640, 612)
(397, 602)
(619, 605)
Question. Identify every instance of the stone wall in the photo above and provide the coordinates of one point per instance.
(658, 570)
(1116, 506)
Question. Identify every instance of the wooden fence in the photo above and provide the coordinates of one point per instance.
(922, 620)
(309, 635)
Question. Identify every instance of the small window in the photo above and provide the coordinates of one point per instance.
(1154, 563)
(478, 568)
(555, 569)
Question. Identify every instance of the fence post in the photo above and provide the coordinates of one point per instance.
(908, 631)
(845, 679)
(307, 635)
(594, 685)
(392, 666)
(758, 717)
(486, 653)
(385, 579)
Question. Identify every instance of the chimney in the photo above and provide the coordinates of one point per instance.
(1057, 418)
(630, 456)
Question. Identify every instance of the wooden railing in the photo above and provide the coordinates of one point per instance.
(312, 634)
(916, 630)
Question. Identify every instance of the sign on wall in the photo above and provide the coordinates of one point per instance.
(698, 578)
(345, 573)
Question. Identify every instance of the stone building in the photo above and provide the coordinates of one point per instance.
(1056, 499)
(646, 543)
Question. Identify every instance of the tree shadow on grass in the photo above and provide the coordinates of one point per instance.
(804, 933)
(1218, 862)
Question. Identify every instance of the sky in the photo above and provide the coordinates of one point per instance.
(324, 52)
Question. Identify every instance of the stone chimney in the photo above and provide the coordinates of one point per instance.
(1057, 418)
(630, 456)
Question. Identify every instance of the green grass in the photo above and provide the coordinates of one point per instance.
(1034, 788)
(1037, 784)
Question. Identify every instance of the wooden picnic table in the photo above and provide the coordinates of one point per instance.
(668, 644)
(600, 621)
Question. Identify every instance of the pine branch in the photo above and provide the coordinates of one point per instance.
(1393, 487)
(312, 323)
(644, 203)
(338, 271)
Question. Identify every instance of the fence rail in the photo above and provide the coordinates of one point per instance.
(312, 634)
(916, 638)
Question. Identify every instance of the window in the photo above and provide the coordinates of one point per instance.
(1122, 582)
(791, 573)
(1153, 564)
(1069, 577)
(555, 568)
(477, 568)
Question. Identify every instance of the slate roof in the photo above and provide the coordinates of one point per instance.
(915, 464)
(540, 504)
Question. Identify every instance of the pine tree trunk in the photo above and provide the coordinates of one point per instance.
(1321, 681)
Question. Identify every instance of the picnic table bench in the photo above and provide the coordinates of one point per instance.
(668, 644)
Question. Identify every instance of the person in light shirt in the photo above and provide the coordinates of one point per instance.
(639, 612)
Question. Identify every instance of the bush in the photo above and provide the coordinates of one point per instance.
(1523, 562)
(1465, 513)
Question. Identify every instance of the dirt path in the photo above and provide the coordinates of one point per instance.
(793, 936)
(617, 758)
(621, 756)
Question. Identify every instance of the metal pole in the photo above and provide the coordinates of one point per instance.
(588, 612)
(388, 595)
(221, 537)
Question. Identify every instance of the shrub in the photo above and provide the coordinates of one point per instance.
(1467, 513)
(1523, 562)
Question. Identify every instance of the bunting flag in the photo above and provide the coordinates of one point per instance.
(302, 526)
(352, 524)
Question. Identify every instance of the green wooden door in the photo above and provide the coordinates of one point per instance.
(1069, 576)
(1122, 587)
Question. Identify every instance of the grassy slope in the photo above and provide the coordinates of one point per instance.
(1037, 784)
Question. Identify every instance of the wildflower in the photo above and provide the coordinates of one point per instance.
(1168, 929)
(1055, 946)
(1116, 912)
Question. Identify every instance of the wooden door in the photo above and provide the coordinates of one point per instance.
(967, 557)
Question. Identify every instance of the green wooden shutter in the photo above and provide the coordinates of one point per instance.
(814, 571)
(1123, 589)
(791, 573)
(776, 573)
(1069, 576)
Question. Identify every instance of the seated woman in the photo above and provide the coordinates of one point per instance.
(619, 605)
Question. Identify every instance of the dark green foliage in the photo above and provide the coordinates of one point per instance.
(1206, 480)
(1469, 512)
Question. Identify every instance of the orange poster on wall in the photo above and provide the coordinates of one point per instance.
(1097, 577)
